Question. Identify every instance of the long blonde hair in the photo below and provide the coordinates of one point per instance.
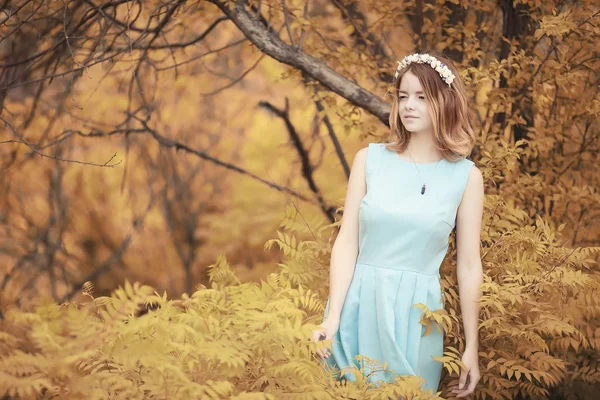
(448, 107)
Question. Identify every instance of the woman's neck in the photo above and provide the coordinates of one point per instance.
(422, 148)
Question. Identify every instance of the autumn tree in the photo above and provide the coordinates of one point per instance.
(144, 139)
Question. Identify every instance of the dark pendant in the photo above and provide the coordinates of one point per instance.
(423, 189)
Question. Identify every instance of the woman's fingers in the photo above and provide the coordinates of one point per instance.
(323, 353)
(319, 335)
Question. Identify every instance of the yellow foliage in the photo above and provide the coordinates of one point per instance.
(252, 340)
(535, 113)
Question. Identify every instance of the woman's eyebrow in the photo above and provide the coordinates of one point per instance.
(404, 91)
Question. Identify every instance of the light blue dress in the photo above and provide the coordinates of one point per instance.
(403, 238)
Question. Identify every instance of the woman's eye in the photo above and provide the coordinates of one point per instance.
(404, 97)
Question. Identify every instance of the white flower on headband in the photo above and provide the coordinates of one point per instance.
(437, 65)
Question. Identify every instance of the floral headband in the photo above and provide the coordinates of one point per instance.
(440, 68)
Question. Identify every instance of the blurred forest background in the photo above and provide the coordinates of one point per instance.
(141, 140)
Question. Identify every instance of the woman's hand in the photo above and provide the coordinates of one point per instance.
(328, 329)
(471, 360)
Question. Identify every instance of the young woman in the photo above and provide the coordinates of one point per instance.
(403, 200)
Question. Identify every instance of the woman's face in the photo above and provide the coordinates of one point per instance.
(413, 109)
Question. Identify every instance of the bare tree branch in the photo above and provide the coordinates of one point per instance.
(189, 60)
(236, 80)
(169, 143)
(36, 151)
(286, 17)
(361, 35)
(180, 146)
(258, 34)
(336, 143)
(307, 168)
(8, 13)
(303, 32)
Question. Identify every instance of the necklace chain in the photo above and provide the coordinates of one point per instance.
(419, 172)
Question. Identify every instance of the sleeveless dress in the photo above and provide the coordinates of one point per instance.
(403, 239)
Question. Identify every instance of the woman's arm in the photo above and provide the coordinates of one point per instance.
(470, 274)
(469, 271)
(345, 247)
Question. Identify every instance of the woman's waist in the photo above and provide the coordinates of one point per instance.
(402, 267)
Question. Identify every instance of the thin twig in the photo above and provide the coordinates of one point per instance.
(36, 151)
